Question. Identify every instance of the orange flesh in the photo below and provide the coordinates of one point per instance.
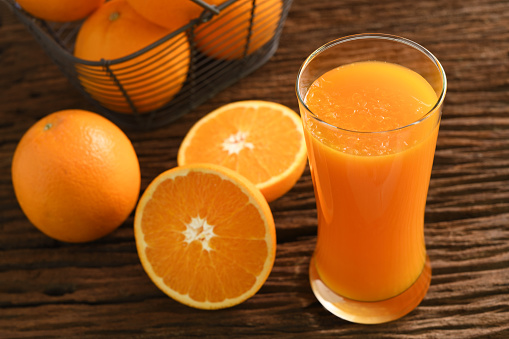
(237, 248)
(370, 189)
(252, 130)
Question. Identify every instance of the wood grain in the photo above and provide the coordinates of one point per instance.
(50, 289)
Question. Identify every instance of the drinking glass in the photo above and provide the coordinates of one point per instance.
(370, 263)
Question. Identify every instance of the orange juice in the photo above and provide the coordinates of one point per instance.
(371, 173)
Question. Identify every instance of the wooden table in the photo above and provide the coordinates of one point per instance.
(99, 289)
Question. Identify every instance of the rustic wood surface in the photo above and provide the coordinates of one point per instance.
(53, 289)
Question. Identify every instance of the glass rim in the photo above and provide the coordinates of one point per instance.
(378, 36)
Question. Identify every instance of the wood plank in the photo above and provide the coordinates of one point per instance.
(50, 289)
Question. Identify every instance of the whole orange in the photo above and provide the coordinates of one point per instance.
(150, 79)
(167, 13)
(229, 35)
(76, 175)
(60, 10)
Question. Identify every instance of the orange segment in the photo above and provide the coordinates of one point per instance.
(263, 141)
(205, 236)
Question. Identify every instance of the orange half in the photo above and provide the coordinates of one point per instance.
(261, 140)
(205, 236)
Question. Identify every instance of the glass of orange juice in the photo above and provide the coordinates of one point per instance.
(371, 106)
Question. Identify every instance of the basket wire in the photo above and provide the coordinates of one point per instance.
(117, 87)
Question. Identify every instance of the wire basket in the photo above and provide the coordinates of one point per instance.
(143, 90)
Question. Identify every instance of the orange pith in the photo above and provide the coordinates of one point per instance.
(263, 141)
(205, 236)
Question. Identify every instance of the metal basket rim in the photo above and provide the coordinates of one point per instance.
(205, 16)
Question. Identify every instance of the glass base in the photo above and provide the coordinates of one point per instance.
(376, 312)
